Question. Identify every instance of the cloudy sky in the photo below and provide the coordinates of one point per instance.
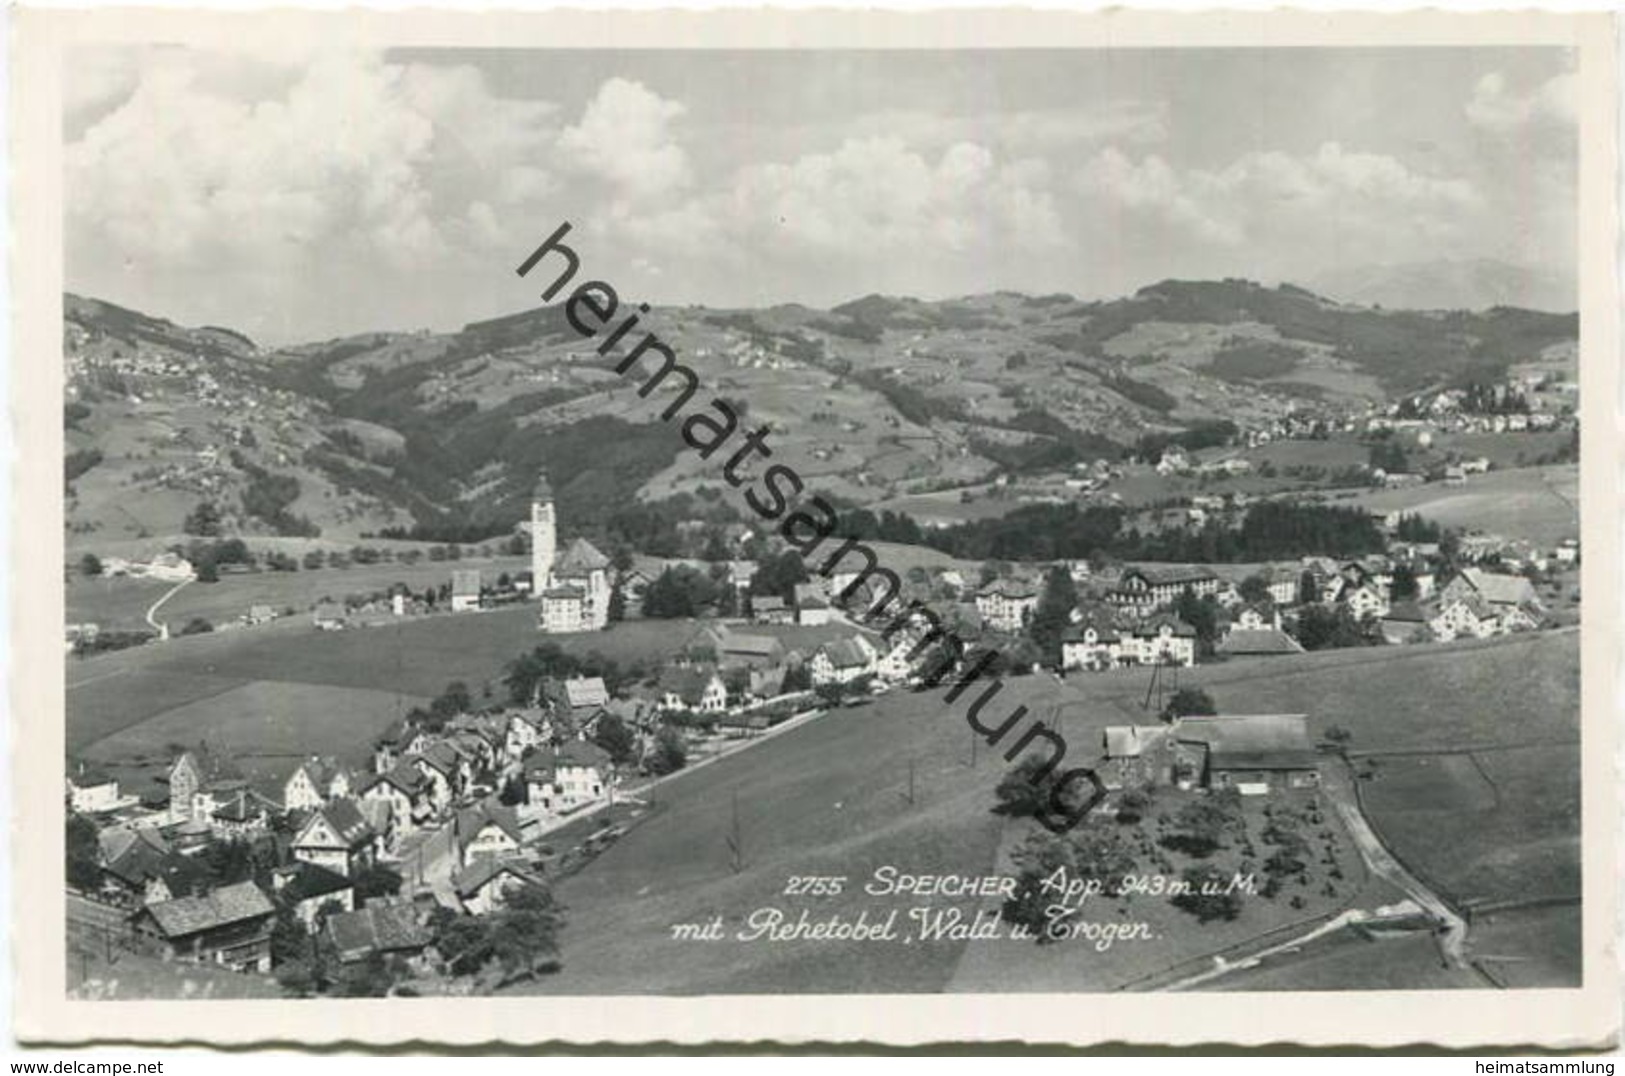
(299, 197)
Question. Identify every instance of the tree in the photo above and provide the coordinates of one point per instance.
(376, 881)
(1201, 614)
(1053, 614)
(615, 738)
(90, 565)
(515, 941)
(83, 854)
(797, 678)
(668, 754)
(1023, 795)
(197, 626)
(1096, 857)
(1201, 825)
(203, 521)
(1187, 702)
(207, 572)
(617, 603)
(1205, 892)
(1308, 589)
(1255, 588)
(1404, 587)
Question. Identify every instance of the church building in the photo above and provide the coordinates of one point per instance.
(574, 587)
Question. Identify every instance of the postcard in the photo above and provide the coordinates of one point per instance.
(805, 527)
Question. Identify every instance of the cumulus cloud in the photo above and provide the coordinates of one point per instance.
(1497, 108)
(355, 152)
(626, 138)
(1278, 201)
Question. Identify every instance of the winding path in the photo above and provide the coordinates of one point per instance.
(168, 594)
(1337, 781)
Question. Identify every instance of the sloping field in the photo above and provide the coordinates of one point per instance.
(830, 799)
(121, 603)
(267, 717)
(826, 799)
(1537, 503)
(415, 657)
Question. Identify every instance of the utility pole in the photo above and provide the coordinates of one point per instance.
(909, 795)
(736, 842)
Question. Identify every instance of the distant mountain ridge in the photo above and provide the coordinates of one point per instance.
(1473, 284)
(879, 397)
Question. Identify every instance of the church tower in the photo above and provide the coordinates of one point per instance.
(543, 536)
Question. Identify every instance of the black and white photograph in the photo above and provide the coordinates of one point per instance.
(750, 521)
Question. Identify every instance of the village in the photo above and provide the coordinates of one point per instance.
(449, 818)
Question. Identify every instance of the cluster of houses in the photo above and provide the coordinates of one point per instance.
(453, 811)
(1129, 619)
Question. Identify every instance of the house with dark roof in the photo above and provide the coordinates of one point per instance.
(230, 926)
(382, 928)
(485, 884)
(843, 660)
(407, 794)
(313, 782)
(692, 687)
(1095, 643)
(577, 773)
(1259, 643)
(1148, 586)
(307, 890)
(1406, 622)
(1252, 753)
(337, 837)
(485, 830)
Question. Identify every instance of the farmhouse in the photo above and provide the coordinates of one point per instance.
(1262, 642)
(770, 609)
(465, 590)
(1501, 592)
(1134, 755)
(1405, 622)
(229, 926)
(842, 661)
(1254, 754)
(391, 929)
(330, 616)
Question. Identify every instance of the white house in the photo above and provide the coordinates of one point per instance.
(1007, 604)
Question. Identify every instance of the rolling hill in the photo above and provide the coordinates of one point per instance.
(441, 434)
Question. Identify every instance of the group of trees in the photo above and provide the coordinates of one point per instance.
(1326, 627)
(1269, 530)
